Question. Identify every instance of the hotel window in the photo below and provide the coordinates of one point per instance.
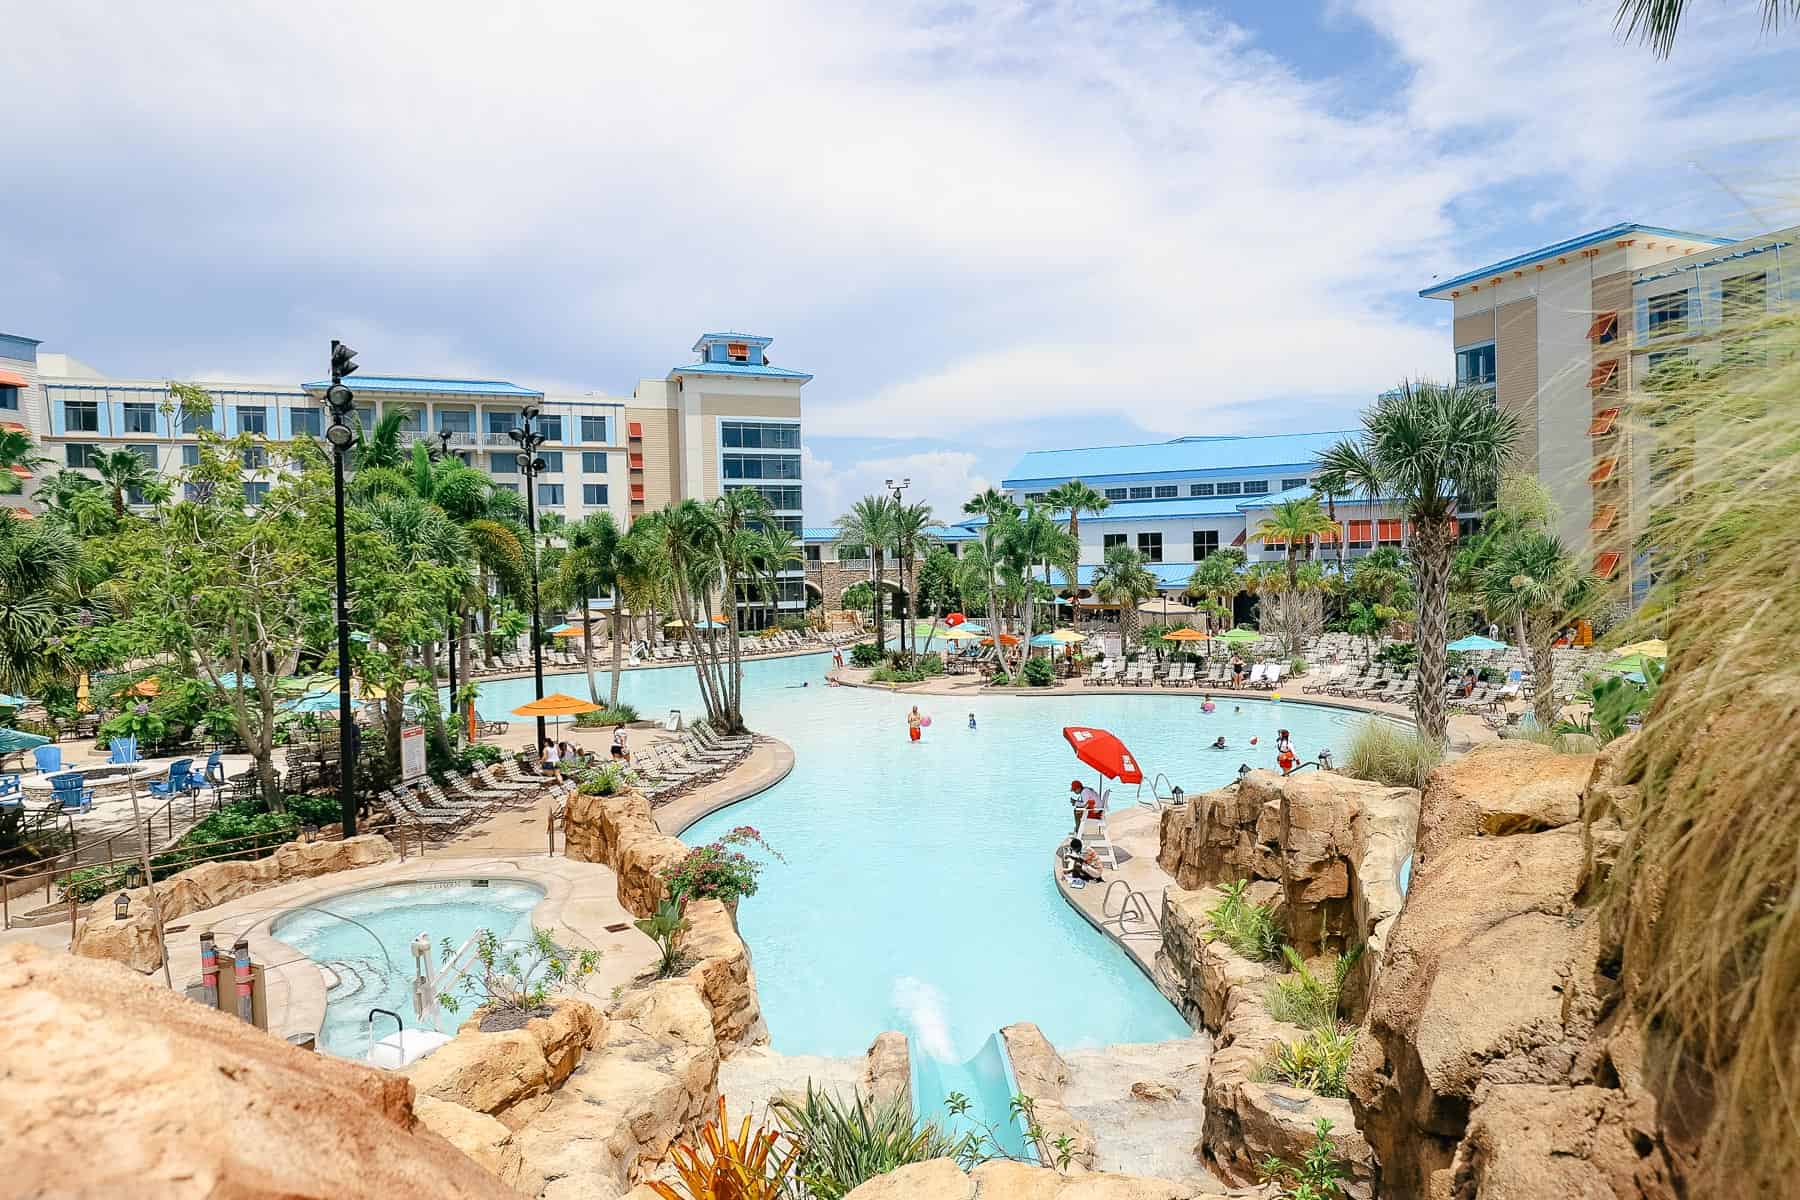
(147, 453)
(1606, 564)
(255, 492)
(1229, 489)
(1200, 489)
(1206, 541)
(1602, 375)
(593, 429)
(306, 422)
(1256, 487)
(1604, 328)
(1391, 533)
(1603, 422)
(1109, 540)
(593, 494)
(192, 422)
(1361, 534)
(456, 421)
(1743, 297)
(1033, 497)
(9, 397)
(1603, 469)
(1150, 546)
(550, 495)
(814, 554)
(254, 458)
(593, 462)
(1658, 362)
(1668, 313)
(737, 352)
(1115, 493)
(510, 487)
(1141, 493)
(1165, 491)
(762, 466)
(550, 425)
(190, 456)
(499, 422)
(1288, 485)
(80, 454)
(253, 419)
(81, 416)
(503, 464)
(779, 496)
(140, 417)
(759, 435)
(1475, 365)
(552, 461)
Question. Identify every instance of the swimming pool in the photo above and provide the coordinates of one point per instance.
(917, 892)
(363, 940)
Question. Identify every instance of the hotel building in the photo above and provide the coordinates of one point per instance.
(728, 420)
(1566, 333)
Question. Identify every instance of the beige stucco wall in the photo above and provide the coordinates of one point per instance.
(1516, 372)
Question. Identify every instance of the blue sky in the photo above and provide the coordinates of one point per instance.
(985, 228)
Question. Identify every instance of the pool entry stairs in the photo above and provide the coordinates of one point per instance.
(985, 1080)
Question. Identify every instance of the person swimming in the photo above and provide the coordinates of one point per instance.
(1219, 744)
(971, 720)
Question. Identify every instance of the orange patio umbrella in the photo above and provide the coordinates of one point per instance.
(1184, 634)
(1006, 639)
(556, 705)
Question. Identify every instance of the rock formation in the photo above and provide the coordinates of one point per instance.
(942, 1179)
(113, 1086)
(1041, 1074)
(1499, 789)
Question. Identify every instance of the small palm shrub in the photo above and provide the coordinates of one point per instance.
(721, 1165)
(1304, 999)
(840, 1146)
(1249, 929)
(1317, 1063)
(516, 979)
(606, 779)
(665, 927)
(1384, 751)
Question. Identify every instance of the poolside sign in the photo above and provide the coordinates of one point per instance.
(412, 752)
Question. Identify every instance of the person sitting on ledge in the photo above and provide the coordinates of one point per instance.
(1081, 866)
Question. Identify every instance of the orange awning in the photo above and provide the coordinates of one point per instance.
(13, 427)
(1603, 518)
(13, 379)
(1603, 373)
(1603, 470)
(1603, 422)
(1607, 563)
(1362, 531)
(1604, 326)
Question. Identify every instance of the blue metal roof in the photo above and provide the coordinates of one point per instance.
(819, 533)
(1184, 456)
(1563, 247)
(829, 533)
(1169, 575)
(751, 369)
(441, 387)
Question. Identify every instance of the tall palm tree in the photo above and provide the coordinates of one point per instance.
(1422, 446)
(39, 567)
(591, 568)
(870, 524)
(1218, 580)
(999, 511)
(1536, 583)
(1123, 579)
(380, 446)
(1076, 497)
(1295, 523)
(121, 473)
(774, 549)
(913, 527)
(1655, 22)
(17, 451)
(1331, 485)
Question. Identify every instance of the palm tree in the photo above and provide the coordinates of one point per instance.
(912, 531)
(1655, 22)
(774, 549)
(17, 451)
(1295, 523)
(1533, 580)
(1123, 579)
(591, 568)
(870, 524)
(1076, 497)
(1422, 446)
(122, 472)
(39, 579)
(999, 511)
(380, 446)
(1218, 579)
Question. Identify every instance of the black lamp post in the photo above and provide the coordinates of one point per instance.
(900, 567)
(442, 438)
(342, 402)
(529, 437)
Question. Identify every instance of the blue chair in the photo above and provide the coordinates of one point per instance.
(124, 750)
(214, 775)
(48, 758)
(10, 794)
(68, 794)
(177, 780)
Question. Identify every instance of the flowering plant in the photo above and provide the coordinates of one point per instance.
(719, 870)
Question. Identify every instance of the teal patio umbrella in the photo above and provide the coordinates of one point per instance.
(17, 741)
(1473, 643)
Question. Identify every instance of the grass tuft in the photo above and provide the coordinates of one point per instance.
(1249, 929)
(1384, 751)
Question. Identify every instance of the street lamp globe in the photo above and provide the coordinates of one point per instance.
(339, 435)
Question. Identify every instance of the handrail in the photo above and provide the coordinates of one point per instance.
(1136, 905)
(400, 1026)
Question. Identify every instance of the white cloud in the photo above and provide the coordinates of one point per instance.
(942, 478)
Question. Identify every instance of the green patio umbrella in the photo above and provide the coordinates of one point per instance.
(1631, 664)
(1238, 636)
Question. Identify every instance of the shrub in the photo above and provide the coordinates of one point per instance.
(665, 927)
(84, 885)
(1001, 679)
(516, 977)
(1317, 1063)
(865, 654)
(624, 714)
(1318, 1174)
(478, 754)
(1398, 654)
(896, 675)
(718, 870)
(1305, 999)
(734, 1166)
(606, 779)
(1039, 672)
(840, 1146)
(1249, 929)
(1297, 666)
(1387, 752)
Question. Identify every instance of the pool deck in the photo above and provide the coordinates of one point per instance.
(1137, 833)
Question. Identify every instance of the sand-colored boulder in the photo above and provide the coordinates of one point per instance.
(133, 941)
(723, 973)
(477, 1135)
(938, 1179)
(1610, 803)
(621, 832)
(508, 1075)
(1489, 976)
(887, 1068)
(941, 1179)
(1526, 1141)
(1499, 789)
(1042, 1075)
(112, 1086)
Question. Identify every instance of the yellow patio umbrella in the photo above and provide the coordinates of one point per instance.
(1184, 634)
(957, 634)
(1066, 636)
(1655, 648)
(1166, 607)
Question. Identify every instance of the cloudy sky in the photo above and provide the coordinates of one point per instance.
(984, 227)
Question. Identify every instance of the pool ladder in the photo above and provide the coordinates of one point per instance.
(1134, 908)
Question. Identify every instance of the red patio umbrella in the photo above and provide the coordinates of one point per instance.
(1103, 752)
(954, 619)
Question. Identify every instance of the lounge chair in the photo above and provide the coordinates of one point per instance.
(67, 793)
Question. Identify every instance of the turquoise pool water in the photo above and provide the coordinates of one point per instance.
(364, 939)
(917, 893)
